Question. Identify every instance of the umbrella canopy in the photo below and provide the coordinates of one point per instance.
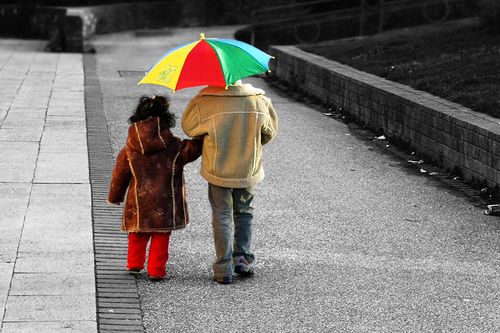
(208, 61)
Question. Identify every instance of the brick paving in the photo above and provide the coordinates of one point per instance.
(118, 304)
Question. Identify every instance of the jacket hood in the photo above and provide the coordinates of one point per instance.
(245, 89)
(148, 136)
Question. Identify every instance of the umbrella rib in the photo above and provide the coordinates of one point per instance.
(236, 44)
(167, 53)
(249, 54)
(220, 63)
(250, 57)
(201, 80)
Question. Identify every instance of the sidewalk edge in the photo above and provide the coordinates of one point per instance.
(118, 302)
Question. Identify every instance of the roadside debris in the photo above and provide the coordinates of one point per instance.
(492, 209)
(382, 137)
(423, 171)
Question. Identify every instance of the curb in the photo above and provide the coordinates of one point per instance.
(451, 136)
(118, 303)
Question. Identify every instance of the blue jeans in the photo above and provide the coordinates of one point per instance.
(230, 204)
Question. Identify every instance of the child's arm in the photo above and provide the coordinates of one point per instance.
(191, 149)
(120, 179)
(191, 119)
(270, 127)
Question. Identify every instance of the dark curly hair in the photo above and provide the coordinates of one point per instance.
(155, 106)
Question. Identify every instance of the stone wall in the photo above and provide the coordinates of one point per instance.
(70, 28)
(81, 23)
(28, 21)
(132, 16)
(453, 137)
(309, 23)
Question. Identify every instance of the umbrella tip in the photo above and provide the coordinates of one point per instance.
(202, 36)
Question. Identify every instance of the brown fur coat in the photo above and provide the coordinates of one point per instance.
(151, 167)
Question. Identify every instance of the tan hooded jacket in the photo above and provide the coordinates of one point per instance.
(235, 123)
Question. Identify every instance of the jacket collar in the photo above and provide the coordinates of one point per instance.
(245, 89)
(149, 136)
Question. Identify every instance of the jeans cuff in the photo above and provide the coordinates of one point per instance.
(248, 256)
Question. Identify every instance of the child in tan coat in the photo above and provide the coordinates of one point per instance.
(235, 123)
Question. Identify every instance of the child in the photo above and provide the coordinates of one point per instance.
(151, 168)
(235, 123)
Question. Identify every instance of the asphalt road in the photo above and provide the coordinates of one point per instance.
(346, 238)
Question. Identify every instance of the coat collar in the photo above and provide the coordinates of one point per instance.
(149, 135)
(244, 89)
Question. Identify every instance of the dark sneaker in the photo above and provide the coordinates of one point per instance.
(157, 277)
(242, 266)
(134, 271)
(224, 279)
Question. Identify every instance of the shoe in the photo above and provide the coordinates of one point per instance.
(134, 271)
(224, 279)
(242, 266)
(157, 278)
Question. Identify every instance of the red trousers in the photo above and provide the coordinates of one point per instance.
(158, 251)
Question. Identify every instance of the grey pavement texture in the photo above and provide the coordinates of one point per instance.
(346, 239)
(46, 251)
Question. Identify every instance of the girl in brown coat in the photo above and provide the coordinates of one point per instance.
(151, 168)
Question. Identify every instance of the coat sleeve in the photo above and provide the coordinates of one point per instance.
(120, 179)
(270, 126)
(191, 121)
(191, 149)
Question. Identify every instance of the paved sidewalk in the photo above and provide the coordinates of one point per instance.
(347, 238)
(47, 279)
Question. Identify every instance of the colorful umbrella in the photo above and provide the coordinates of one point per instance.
(208, 61)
